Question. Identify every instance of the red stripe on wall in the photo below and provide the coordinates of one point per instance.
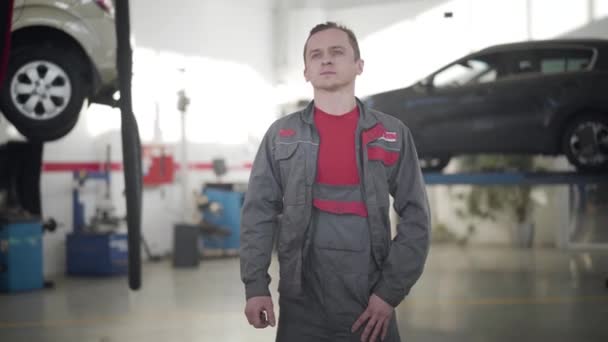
(71, 166)
(200, 166)
(117, 166)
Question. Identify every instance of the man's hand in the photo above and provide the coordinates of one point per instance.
(260, 312)
(378, 316)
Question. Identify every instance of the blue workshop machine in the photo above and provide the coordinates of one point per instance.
(90, 252)
(228, 218)
(21, 256)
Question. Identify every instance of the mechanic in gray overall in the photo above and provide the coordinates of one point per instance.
(324, 176)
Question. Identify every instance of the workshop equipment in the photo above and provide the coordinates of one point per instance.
(96, 248)
(96, 254)
(186, 252)
(21, 256)
(21, 226)
(187, 236)
(229, 218)
(20, 169)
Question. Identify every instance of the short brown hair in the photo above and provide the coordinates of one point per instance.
(332, 25)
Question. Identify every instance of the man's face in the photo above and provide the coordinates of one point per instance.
(330, 61)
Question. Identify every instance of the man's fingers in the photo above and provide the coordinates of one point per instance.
(260, 321)
(267, 315)
(261, 325)
(377, 329)
(364, 317)
(368, 329)
(256, 318)
(270, 317)
(250, 316)
(259, 312)
(385, 329)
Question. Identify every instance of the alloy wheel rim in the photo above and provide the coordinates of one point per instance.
(589, 143)
(41, 90)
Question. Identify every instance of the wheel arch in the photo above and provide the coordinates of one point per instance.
(46, 36)
(573, 115)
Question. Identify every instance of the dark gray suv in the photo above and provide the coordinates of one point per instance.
(541, 97)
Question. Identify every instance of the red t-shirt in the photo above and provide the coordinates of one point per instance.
(337, 160)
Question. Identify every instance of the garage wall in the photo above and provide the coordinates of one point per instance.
(230, 30)
(226, 49)
(243, 57)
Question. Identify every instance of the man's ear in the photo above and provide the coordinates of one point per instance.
(305, 73)
(360, 64)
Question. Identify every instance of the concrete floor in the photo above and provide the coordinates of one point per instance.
(465, 294)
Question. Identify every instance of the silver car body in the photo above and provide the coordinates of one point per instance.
(82, 20)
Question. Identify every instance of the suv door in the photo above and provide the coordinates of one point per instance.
(512, 124)
(535, 86)
(566, 77)
(453, 112)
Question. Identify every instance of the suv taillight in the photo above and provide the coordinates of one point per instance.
(106, 5)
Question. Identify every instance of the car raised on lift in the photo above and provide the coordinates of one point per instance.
(540, 97)
(62, 52)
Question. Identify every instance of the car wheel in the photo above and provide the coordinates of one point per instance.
(434, 164)
(585, 142)
(44, 91)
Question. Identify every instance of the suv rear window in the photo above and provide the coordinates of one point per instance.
(548, 61)
(563, 60)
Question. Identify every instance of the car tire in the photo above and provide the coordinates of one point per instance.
(43, 91)
(590, 132)
(434, 164)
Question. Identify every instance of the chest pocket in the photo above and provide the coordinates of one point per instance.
(291, 159)
(382, 161)
(382, 157)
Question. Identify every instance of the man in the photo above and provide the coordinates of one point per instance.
(327, 171)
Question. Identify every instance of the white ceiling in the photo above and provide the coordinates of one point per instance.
(333, 4)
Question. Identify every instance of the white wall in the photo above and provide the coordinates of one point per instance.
(226, 48)
(243, 57)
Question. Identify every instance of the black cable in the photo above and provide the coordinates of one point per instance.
(131, 145)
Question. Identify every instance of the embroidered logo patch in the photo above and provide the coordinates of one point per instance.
(389, 136)
(287, 132)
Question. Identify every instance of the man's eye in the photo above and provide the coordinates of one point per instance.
(338, 52)
(315, 55)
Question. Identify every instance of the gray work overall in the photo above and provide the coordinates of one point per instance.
(338, 274)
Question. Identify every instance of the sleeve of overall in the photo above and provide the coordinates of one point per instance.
(409, 248)
(262, 205)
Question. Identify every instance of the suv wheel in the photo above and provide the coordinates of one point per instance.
(585, 142)
(43, 91)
